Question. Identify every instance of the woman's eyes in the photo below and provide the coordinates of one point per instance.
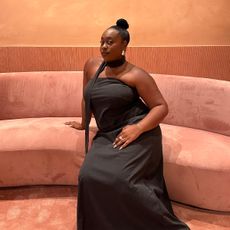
(109, 42)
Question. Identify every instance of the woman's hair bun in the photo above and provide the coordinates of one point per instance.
(122, 23)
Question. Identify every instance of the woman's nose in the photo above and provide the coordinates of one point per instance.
(104, 45)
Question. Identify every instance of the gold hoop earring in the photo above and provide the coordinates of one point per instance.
(123, 53)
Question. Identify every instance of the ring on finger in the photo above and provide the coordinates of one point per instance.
(121, 138)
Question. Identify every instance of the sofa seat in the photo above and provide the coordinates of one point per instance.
(46, 151)
(197, 167)
(40, 151)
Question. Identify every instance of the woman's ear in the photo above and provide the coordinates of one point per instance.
(125, 43)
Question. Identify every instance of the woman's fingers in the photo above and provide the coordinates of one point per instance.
(69, 123)
(118, 140)
(74, 124)
(124, 145)
(121, 141)
(128, 134)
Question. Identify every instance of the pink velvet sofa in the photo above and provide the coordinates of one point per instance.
(37, 148)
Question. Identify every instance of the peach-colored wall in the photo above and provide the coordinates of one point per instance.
(81, 22)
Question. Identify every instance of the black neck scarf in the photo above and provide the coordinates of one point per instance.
(87, 105)
(116, 63)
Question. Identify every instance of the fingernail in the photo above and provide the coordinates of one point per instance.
(114, 146)
(120, 148)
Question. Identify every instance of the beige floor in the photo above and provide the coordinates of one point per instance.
(54, 208)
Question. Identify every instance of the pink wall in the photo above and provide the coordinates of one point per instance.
(81, 22)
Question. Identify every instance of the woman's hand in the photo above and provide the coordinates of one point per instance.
(75, 125)
(128, 134)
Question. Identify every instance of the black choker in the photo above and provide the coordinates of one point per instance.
(116, 63)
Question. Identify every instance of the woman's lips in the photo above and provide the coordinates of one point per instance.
(104, 53)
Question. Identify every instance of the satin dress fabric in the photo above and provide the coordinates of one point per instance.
(122, 189)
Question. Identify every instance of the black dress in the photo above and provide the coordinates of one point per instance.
(122, 189)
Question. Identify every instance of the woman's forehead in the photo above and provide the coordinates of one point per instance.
(110, 33)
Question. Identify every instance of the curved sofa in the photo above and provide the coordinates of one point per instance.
(36, 148)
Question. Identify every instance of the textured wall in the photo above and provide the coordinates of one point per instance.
(201, 61)
(81, 22)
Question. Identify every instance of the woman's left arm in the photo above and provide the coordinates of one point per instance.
(151, 95)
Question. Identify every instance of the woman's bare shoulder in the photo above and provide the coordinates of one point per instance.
(138, 74)
(137, 71)
(91, 66)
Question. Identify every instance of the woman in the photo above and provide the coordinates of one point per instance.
(121, 184)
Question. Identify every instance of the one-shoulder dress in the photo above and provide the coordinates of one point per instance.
(122, 189)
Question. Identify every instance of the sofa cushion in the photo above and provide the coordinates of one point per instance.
(40, 94)
(197, 167)
(45, 151)
(40, 151)
(199, 103)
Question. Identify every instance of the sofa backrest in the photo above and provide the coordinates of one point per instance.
(200, 103)
(40, 94)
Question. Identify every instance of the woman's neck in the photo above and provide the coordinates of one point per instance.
(116, 63)
(118, 71)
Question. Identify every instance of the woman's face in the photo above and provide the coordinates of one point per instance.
(112, 45)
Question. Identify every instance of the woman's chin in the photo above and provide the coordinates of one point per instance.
(106, 59)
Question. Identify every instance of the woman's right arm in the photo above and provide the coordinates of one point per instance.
(76, 124)
(86, 78)
(89, 70)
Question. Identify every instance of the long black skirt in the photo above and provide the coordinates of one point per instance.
(125, 189)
